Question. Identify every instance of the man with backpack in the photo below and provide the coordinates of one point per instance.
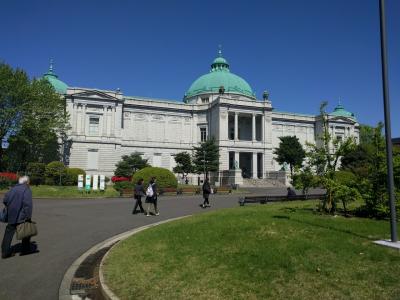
(151, 197)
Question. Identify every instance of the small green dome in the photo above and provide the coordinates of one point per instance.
(52, 78)
(219, 75)
(341, 112)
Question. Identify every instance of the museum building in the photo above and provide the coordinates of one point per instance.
(108, 124)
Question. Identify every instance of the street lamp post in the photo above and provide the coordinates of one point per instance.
(388, 134)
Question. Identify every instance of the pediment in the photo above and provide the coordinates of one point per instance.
(94, 94)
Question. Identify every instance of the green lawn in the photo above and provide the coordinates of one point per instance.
(49, 191)
(277, 251)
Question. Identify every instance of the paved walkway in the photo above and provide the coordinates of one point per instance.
(67, 228)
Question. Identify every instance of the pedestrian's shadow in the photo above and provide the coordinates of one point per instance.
(17, 248)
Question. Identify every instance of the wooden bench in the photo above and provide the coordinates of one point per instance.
(263, 199)
(223, 190)
(168, 191)
(188, 190)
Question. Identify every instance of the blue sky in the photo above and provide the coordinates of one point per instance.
(302, 52)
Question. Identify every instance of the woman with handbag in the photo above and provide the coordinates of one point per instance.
(18, 202)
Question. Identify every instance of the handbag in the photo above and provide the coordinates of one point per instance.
(26, 229)
(4, 215)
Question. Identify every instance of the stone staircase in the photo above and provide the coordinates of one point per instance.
(251, 182)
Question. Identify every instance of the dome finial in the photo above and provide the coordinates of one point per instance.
(51, 65)
(219, 50)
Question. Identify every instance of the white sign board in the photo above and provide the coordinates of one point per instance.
(87, 182)
(80, 181)
(102, 182)
(95, 182)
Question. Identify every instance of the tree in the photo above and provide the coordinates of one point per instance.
(33, 119)
(290, 151)
(324, 158)
(206, 157)
(184, 164)
(129, 164)
(14, 92)
(304, 180)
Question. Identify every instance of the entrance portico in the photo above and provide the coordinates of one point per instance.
(251, 163)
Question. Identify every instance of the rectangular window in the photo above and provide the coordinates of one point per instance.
(93, 159)
(93, 125)
(205, 100)
(203, 134)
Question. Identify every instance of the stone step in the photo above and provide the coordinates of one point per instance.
(251, 182)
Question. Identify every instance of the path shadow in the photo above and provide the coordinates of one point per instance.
(17, 248)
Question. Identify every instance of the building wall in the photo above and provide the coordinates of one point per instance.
(106, 125)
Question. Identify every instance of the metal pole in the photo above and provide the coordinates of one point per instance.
(388, 133)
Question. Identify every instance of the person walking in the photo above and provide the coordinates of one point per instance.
(19, 209)
(138, 194)
(151, 196)
(206, 193)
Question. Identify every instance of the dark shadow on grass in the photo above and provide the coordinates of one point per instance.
(334, 229)
(281, 217)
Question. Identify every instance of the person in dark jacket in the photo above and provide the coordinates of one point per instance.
(206, 193)
(19, 209)
(138, 194)
(290, 192)
(152, 199)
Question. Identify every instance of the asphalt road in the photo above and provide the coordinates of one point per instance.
(67, 228)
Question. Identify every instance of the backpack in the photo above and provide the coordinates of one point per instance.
(149, 191)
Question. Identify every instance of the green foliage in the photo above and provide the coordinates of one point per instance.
(36, 172)
(121, 185)
(165, 178)
(337, 192)
(325, 158)
(42, 120)
(290, 151)
(129, 164)
(184, 164)
(14, 92)
(346, 178)
(206, 157)
(305, 179)
(5, 182)
(71, 176)
(55, 173)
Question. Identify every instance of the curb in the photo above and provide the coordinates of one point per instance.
(64, 290)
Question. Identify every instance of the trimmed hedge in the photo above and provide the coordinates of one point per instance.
(122, 185)
(36, 172)
(165, 178)
(54, 172)
(71, 176)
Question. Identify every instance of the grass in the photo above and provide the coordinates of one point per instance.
(278, 251)
(49, 191)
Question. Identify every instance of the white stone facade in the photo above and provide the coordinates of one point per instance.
(106, 125)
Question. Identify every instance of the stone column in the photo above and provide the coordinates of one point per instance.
(254, 162)
(262, 128)
(237, 158)
(236, 127)
(112, 130)
(105, 109)
(83, 120)
(253, 129)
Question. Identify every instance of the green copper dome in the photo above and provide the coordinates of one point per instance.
(341, 112)
(57, 84)
(219, 76)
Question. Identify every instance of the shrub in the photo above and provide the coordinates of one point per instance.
(71, 176)
(5, 182)
(36, 172)
(121, 185)
(165, 178)
(55, 173)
